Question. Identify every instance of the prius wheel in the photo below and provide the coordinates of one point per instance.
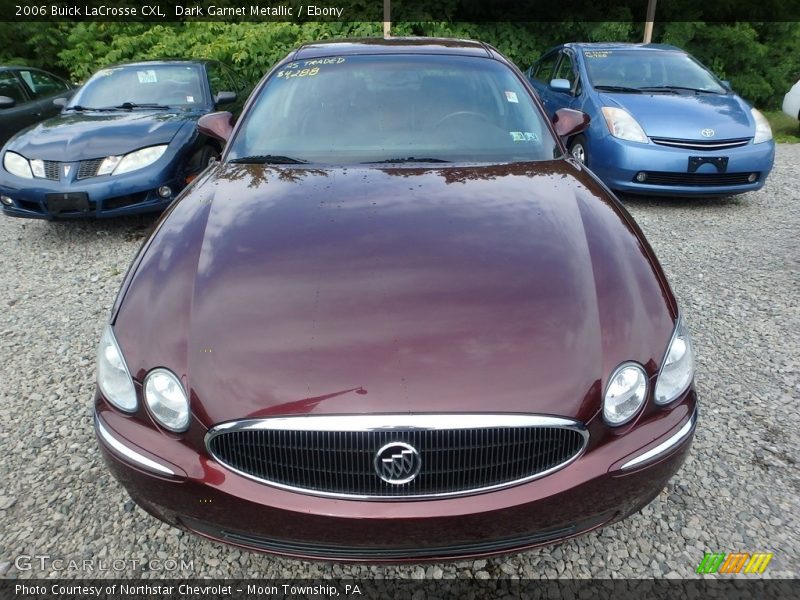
(577, 148)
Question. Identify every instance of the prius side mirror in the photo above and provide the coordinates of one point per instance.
(6, 102)
(560, 85)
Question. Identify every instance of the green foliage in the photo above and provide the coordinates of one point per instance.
(760, 59)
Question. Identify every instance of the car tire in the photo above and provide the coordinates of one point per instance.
(206, 156)
(578, 150)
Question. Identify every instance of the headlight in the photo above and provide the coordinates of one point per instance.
(17, 164)
(623, 126)
(625, 393)
(112, 374)
(138, 159)
(677, 371)
(166, 399)
(763, 130)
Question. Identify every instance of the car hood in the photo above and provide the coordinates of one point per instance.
(685, 116)
(80, 136)
(275, 291)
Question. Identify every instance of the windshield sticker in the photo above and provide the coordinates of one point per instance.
(523, 136)
(147, 76)
(289, 73)
(190, 99)
(597, 53)
(512, 97)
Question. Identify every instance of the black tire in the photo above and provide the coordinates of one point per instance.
(579, 150)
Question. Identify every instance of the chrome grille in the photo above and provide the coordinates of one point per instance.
(89, 168)
(701, 144)
(335, 456)
(52, 169)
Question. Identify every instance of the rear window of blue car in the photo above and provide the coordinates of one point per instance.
(643, 69)
(363, 109)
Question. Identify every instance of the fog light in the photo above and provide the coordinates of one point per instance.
(6, 201)
(752, 177)
(165, 191)
(641, 176)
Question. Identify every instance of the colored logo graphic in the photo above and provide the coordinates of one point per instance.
(736, 562)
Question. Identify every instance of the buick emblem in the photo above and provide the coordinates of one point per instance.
(707, 132)
(397, 463)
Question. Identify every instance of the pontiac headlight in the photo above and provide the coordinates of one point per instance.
(625, 393)
(677, 371)
(138, 159)
(166, 399)
(112, 374)
(18, 165)
(623, 126)
(763, 130)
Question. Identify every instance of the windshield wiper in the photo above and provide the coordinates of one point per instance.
(132, 105)
(618, 88)
(677, 89)
(268, 159)
(79, 108)
(408, 159)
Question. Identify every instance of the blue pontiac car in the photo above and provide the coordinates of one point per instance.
(662, 124)
(126, 143)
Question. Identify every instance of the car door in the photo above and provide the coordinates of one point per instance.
(22, 113)
(44, 88)
(567, 69)
(541, 74)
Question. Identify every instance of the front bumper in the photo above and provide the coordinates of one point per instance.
(187, 489)
(108, 195)
(617, 163)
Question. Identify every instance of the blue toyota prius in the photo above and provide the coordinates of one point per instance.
(126, 143)
(661, 123)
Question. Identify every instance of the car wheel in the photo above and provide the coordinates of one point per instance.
(206, 156)
(578, 150)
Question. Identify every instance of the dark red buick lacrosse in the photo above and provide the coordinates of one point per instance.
(395, 321)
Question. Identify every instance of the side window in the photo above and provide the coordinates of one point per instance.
(544, 71)
(236, 83)
(565, 70)
(219, 79)
(11, 87)
(42, 84)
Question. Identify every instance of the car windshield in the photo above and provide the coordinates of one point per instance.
(399, 108)
(142, 85)
(649, 70)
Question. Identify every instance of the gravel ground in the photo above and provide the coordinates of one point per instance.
(733, 264)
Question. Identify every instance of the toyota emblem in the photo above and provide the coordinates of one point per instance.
(707, 132)
(397, 463)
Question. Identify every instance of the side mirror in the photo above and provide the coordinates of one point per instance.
(560, 85)
(568, 122)
(217, 125)
(60, 102)
(225, 98)
(6, 102)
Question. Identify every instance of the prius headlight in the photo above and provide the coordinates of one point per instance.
(138, 159)
(677, 371)
(622, 125)
(113, 377)
(166, 399)
(18, 165)
(625, 393)
(763, 130)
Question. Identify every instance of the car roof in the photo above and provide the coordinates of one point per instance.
(163, 62)
(394, 45)
(619, 46)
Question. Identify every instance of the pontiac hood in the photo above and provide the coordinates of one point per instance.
(75, 136)
(684, 116)
(283, 290)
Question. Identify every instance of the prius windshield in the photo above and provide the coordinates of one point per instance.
(398, 108)
(649, 71)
